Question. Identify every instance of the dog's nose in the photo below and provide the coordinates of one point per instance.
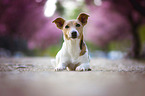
(74, 34)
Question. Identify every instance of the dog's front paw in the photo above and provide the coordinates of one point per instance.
(60, 68)
(83, 68)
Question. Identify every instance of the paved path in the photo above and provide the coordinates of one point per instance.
(36, 77)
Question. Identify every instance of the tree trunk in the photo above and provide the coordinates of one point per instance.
(135, 44)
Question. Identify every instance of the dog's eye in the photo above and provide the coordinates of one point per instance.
(78, 25)
(66, 26)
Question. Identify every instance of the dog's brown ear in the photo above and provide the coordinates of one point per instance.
(83, 18)
(59, 22)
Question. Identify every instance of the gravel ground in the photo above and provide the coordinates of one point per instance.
(36, 77)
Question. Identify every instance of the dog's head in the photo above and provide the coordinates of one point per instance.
(72, 29)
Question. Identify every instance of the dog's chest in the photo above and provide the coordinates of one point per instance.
(73, 48)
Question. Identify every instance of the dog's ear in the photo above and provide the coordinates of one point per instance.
(83, 18)
(59, 22)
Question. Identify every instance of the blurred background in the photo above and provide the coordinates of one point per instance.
(115, 29)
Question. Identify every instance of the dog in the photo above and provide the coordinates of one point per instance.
(74, 52)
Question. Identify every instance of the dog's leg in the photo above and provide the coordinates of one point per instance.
(60, 67)
(61, 61)
(83, 67)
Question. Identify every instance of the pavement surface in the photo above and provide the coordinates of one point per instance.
(36, 77)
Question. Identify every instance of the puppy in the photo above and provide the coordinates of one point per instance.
(74, 53)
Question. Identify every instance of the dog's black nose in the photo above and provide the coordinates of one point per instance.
(74, 34)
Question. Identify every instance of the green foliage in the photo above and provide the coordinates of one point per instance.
(142, 33)
(76, 12)
(60, 9)
(122, 45)
(53, 50)
(50, 51)
(92, 47)
(73, 14)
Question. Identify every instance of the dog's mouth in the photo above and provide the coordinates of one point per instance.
(74, 36)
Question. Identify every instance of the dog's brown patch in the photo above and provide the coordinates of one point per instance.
(82, 47)
(67, 30)
(59, 22)
(72, 67)
(83, 18)
(71, 24)
(66, 36)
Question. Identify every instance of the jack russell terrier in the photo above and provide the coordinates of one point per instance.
(74, 53)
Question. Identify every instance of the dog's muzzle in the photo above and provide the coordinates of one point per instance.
(74, 34)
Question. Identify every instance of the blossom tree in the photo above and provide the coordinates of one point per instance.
(25, 20)
(116, 20)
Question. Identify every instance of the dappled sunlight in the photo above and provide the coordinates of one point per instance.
(50, 8)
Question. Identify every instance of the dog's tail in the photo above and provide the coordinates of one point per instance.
(53, 62)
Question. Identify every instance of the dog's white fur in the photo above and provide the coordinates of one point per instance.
(69, 55)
